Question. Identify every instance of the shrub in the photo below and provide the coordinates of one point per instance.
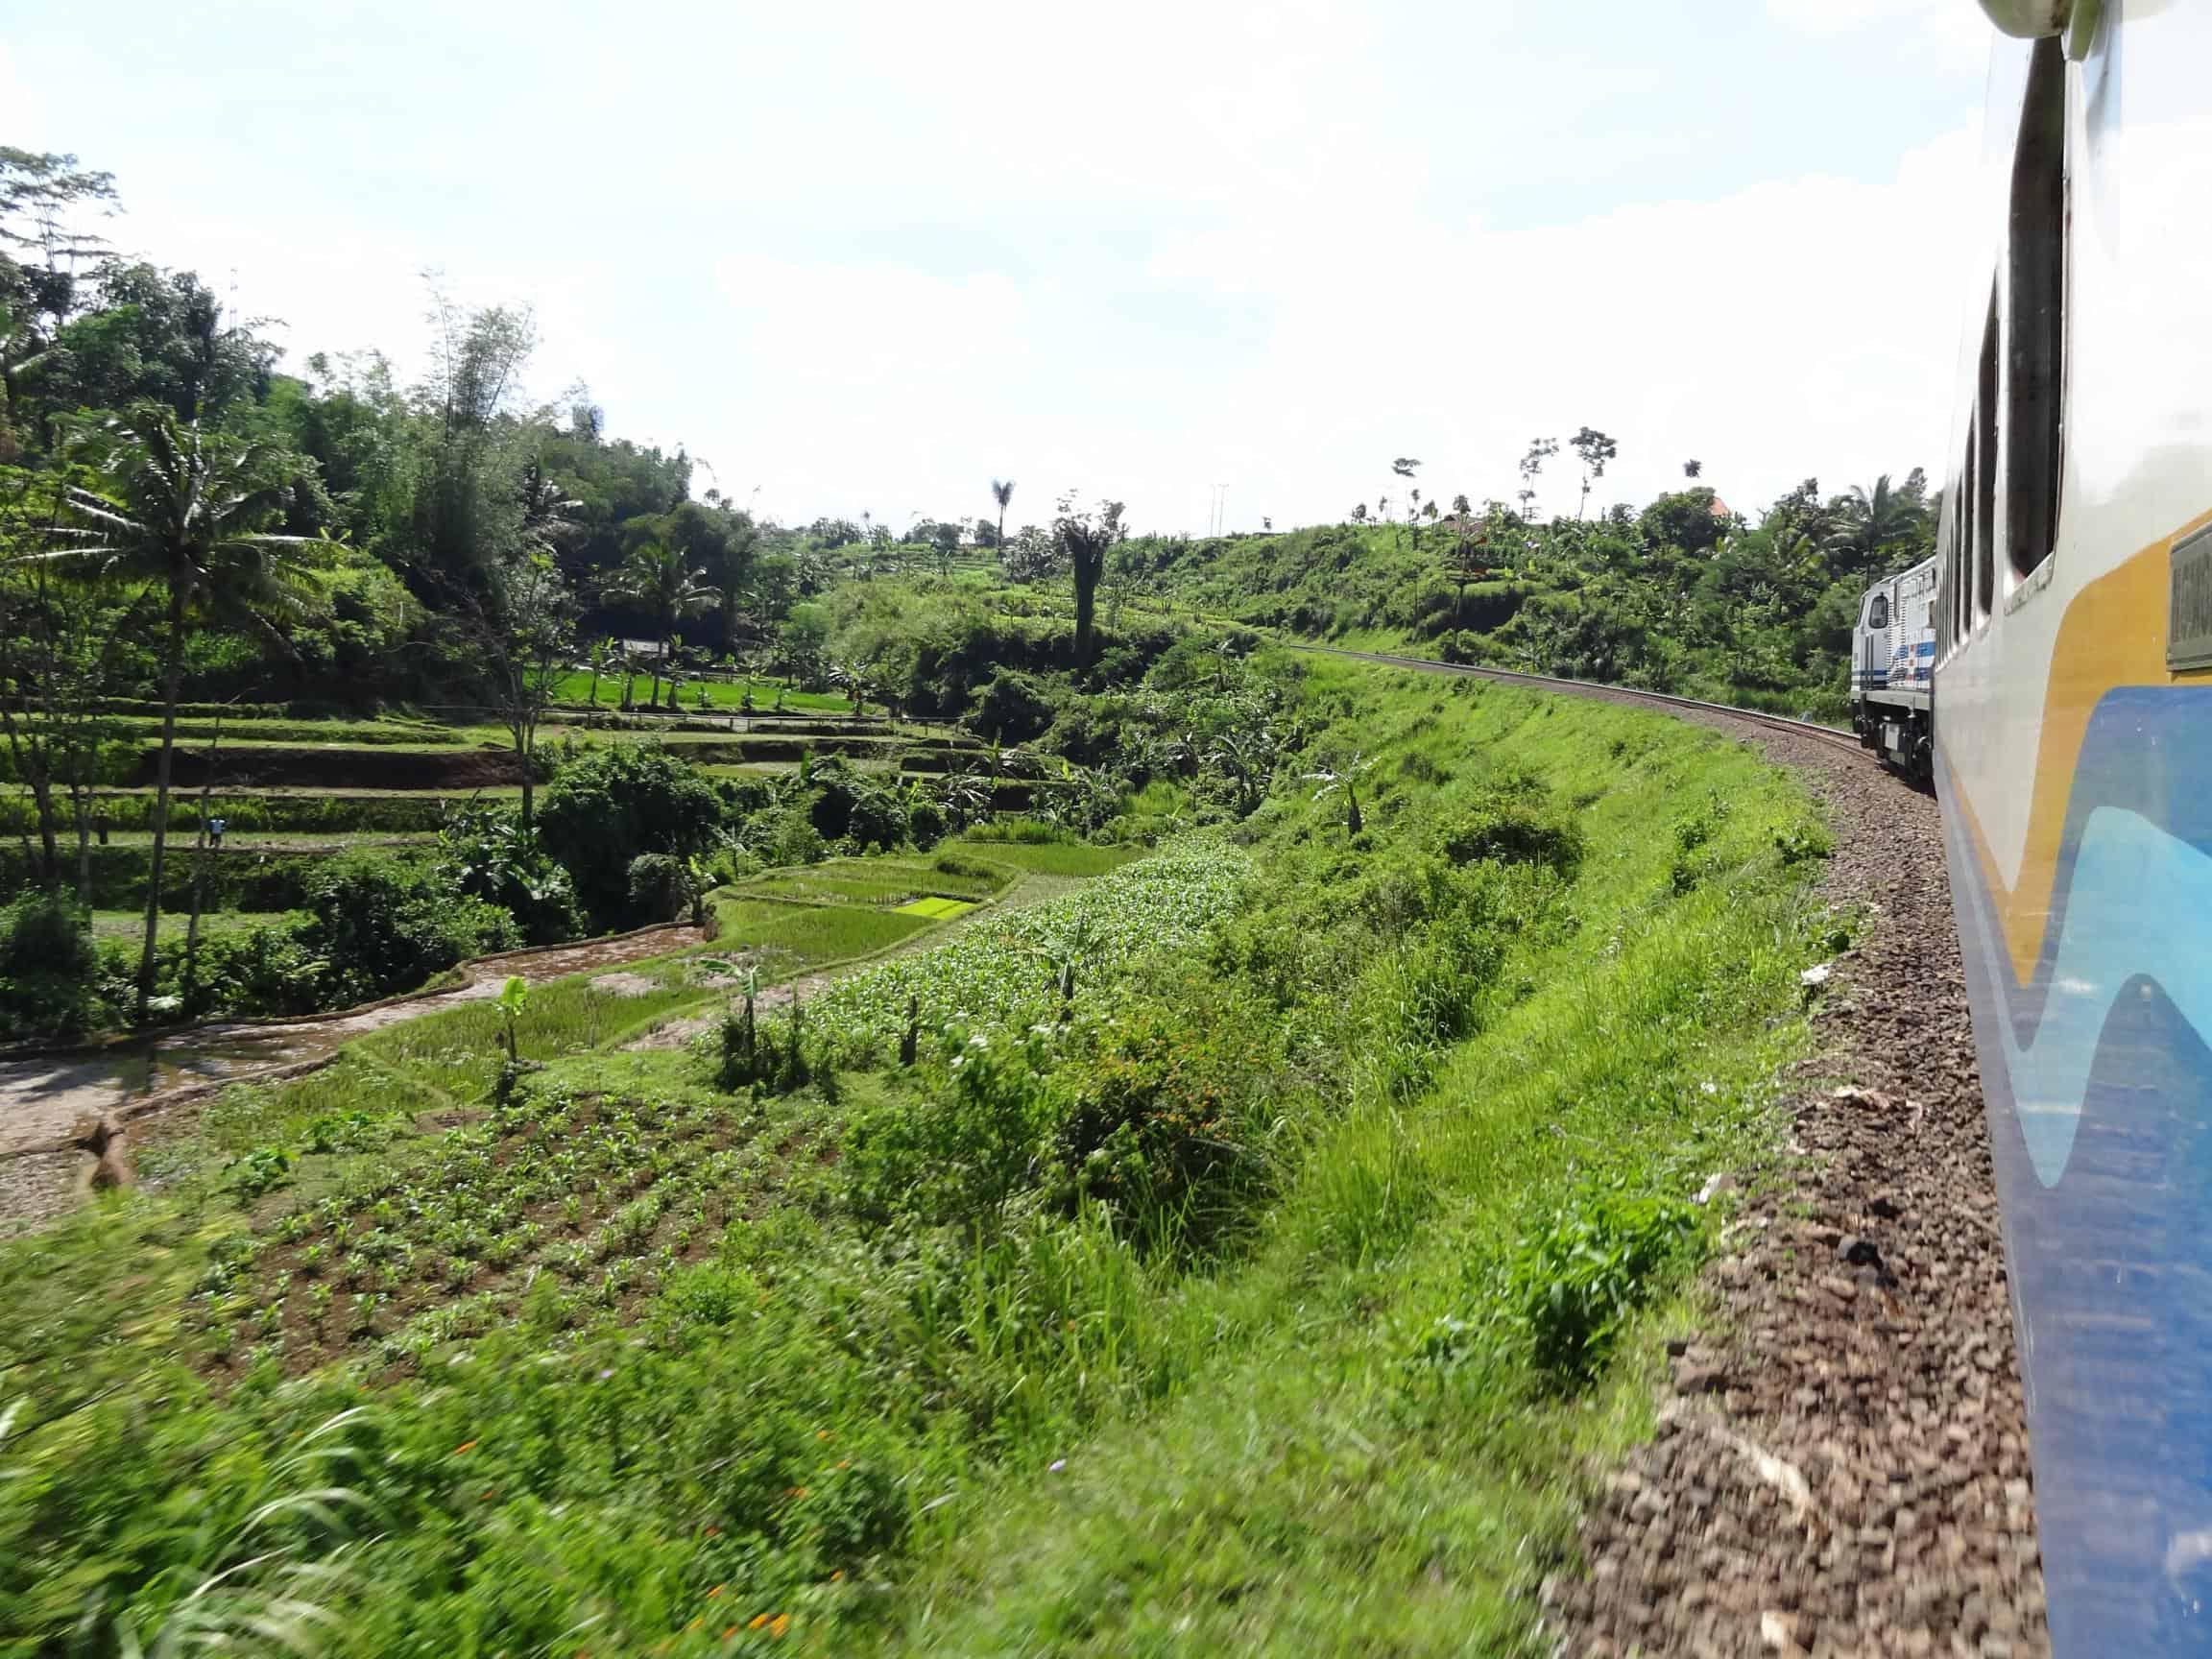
(607, 805)
(1015, 707)
(49, 969)
(1509, 829)
(485, 852)
(1168, 1117)
(954, 1152)
(381, 926)
(1572, 1283)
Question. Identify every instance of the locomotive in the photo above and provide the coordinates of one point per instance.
(2064, 715)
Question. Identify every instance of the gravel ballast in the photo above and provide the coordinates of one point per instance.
(1841, 1467)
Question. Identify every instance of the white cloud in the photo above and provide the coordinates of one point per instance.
(1954, 31)
(1795, 328)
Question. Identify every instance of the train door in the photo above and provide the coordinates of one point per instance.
(1872, 668)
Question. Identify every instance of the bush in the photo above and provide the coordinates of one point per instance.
(955, 1153)
(485, 852)
(381, 926)
(1574, 1283)
(1015, 707)
(49, 969)
(1169, 1116)
(607, 805)
(1511, 828)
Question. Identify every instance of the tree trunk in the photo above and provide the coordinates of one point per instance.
(199, 878)
(172, 678)
(1085, 604)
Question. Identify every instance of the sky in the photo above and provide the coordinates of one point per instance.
(860, 256)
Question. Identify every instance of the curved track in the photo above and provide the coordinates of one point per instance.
(1594, 687)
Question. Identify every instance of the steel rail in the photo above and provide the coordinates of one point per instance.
(1431, 666)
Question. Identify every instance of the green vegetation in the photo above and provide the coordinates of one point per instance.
(1252, 1243)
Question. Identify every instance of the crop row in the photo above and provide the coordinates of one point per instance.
(588, 1201)
(1011, 970)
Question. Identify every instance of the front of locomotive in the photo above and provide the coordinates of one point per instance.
(2074, 735)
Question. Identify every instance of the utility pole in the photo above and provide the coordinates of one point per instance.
(1218, 519)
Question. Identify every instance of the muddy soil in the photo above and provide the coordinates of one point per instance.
(46, 1104)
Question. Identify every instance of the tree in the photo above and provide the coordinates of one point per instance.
(1360, 513)
(1540, 450)
(1870, 525)
(183, 512)
(1085, 538)
(1693, 469)
(1002, 492)
(1467, 558)
(1595, 449)
(1344, 777)
(1032, 555)
(945, 543)
(40, 194)
(658, 581)
(57, 643)
(521, 621)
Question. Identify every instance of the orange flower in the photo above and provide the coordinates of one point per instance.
(837, 1575)
(759, 1620)
(716, 1591)
(820, 1434)
(845, 1463)
(732, 1631)
(714, 1531)
(796, 1491)
(779, 1624)
(695, 1624)
(465, 1447)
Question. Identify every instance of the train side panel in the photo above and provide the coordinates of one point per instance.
(2074, 758)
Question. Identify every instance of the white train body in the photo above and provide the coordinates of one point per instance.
(2072, 707)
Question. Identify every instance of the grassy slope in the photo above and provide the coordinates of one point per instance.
(860, 1444)
(1311, 1490)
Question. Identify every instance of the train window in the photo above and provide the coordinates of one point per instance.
(2035, 321)
(1878, 613)
(1981, 471)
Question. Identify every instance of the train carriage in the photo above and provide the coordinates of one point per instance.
(2072, 702)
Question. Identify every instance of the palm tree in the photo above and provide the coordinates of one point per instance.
(1875, 520)
(1002, 492)
(657, 581)
(182, 515)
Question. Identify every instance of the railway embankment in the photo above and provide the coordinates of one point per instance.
(1841, 1467)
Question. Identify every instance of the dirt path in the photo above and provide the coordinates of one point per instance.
(45, 1103)
(1843, 1468)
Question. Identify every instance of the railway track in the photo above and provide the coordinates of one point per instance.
(1594, 687)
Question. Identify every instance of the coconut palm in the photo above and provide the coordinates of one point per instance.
(1875, 520)
(181, 515)
(1002, 492)
(658, 581)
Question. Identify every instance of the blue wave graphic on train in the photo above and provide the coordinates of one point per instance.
(2100, 1082)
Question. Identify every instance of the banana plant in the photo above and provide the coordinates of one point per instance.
(1347, 779)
